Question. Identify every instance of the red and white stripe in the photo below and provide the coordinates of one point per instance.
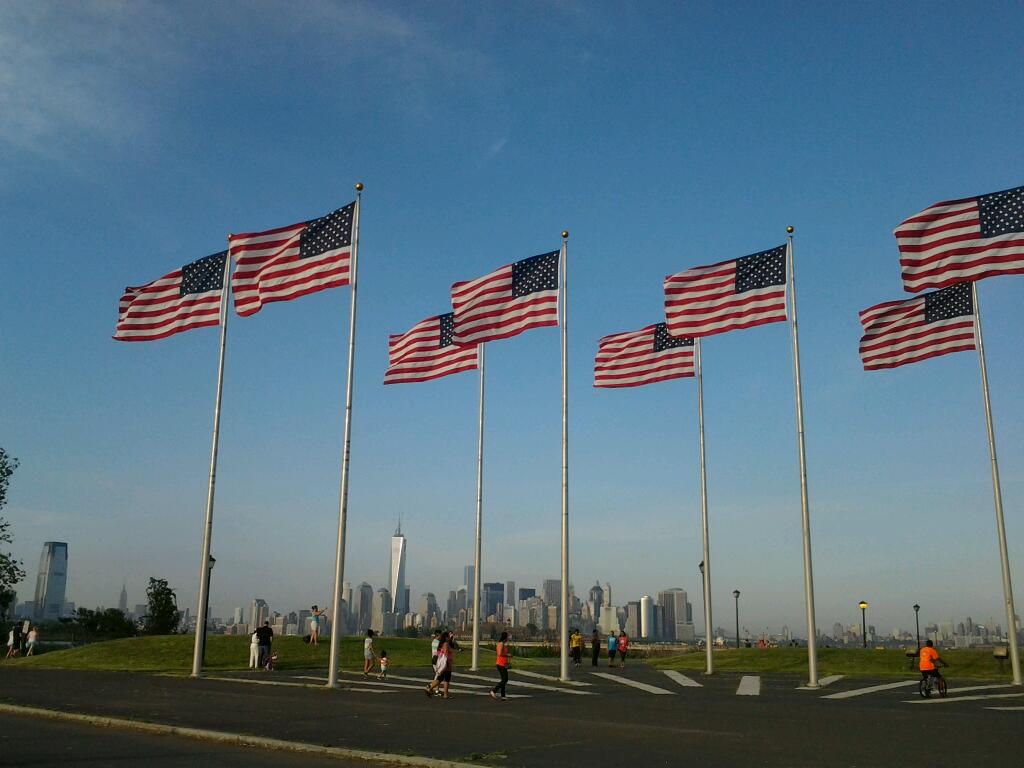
(268, 268)
(157, 310)
(629, 360)
(703, 301)
(943, 245)
(414, 356)
(896, 334)
(485, 309)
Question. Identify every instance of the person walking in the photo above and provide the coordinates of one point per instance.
(369, 654)
(264, 637)
(502, 665)
(254, 650)
(623, 646)
(443, 667)
(435, 643)
(595, 647)
(12, 649)
(384, 663)
(613, 646)
(314, 623)
(33, 637)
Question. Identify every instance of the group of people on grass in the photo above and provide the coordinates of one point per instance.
(18, 641)
(617, 645)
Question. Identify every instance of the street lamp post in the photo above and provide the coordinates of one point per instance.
(736, 595)
(917, 624)
(863, 623)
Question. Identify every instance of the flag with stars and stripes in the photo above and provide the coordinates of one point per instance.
(508, 301)
(426, 352)
(727, 296)
(963, 240)
(186, 298)
(288, 262)
(900, 332)
(635, 358)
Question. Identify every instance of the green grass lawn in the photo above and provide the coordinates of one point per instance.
(854, 662)
(173, 653)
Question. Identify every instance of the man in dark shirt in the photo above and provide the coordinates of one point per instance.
(264, 635)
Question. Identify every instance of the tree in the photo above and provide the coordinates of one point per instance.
(162, 614)
(11, 571)
(107, 624)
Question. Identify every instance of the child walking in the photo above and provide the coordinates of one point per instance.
(383, 666)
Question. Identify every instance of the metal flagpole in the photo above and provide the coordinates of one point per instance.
(812, 640)
(479, 516)
(709, 664)
(564, 633)
(339, 554)
(204, 566)
(997, 493)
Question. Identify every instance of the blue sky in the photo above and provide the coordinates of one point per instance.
(134, 137)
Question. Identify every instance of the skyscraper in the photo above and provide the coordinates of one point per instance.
(551, 591)
(678, 614)
(525, 593)
(258, 612)
(646, 616)
(362, 608)
(469, 581)
(494, 595)
(397, 581)
(51, 581)
(122, 602)
(510, 592)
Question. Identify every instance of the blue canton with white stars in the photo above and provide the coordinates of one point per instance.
(1001, 213)
(206, 274)
(760, 270)
(955, 301)
(446, 326)
(662, 340)
(328, 233)
(537, 273)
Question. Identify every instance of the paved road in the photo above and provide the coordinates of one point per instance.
(27, 741)
(620, 716)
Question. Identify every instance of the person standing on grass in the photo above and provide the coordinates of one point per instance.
(33, 637)
(314, 623)
(254, 650)
(613, 646)
(623, 646)
(369, 654)
(502, 665)
(265, 637)
(12, 649)
(595, 647)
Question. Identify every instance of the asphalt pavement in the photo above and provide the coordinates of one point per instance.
(639, 716)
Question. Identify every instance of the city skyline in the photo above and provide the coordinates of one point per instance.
(661, 141)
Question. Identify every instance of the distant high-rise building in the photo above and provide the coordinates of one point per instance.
(646, 617)
(51, 581)
(493, 596)
(139, 611)
(510, 591)
(551, 591)
(236, 617)
(451, 607)
(469, 582)
(346, 592)
(381, 610)
(362, 610)
(122, 601)
(678, 614)
(633, 618)
(259, 612)
(396, 582)
(428, 607)
(525, 593)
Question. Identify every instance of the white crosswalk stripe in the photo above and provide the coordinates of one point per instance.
(520, 684)
(683, 680)
(823, 682)
(633, 683)
(750, 685)
(552, 678)
(460, 689)
(870, 689)
(952, 699)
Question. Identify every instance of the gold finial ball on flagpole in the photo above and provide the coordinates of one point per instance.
(359, 186)
(789, 230)
(565, 234)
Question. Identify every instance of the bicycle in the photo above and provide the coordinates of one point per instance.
(925, 687)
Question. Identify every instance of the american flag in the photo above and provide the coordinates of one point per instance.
(734, 294)
(635, 358)
(285, 263)
(426, 352)
(508, 301)
(963, 240)
(901, 332)
(186, 298)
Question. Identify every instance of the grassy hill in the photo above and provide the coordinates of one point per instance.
(173, 653)
(964, 664)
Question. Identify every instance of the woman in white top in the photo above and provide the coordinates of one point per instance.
(33, 635)
(369, 655)
(254, 651)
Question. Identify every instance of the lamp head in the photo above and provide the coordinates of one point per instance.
(916, 607)
(736, 593)
(862, 605)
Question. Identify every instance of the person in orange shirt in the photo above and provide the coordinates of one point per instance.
(929, 660)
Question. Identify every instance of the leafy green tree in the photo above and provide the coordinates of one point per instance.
(108, 624)
(11, 571)
(162, 614)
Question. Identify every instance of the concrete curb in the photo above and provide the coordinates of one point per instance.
(235, 739)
